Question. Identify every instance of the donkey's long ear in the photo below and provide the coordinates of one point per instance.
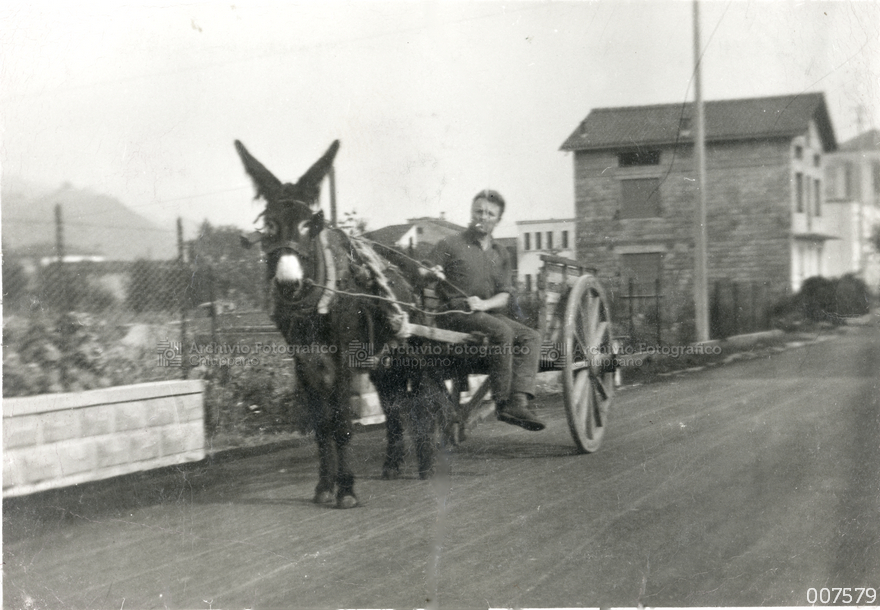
(310, 182)
(264, 181)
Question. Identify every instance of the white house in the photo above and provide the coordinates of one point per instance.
(537, 237)
(852, 196)
(418, 235)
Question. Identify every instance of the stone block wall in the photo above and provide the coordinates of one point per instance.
(749, 212)
(58, 440)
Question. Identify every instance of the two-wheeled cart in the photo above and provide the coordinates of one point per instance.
(575, 324)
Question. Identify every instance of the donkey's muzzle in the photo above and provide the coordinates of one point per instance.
(289, 271)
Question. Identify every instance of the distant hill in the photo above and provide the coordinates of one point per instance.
(93, 223)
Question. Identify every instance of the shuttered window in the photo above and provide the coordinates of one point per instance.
(640, 198)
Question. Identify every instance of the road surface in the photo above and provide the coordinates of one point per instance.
(743, 485)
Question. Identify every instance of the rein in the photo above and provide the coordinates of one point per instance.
(326, 282)
(377, 297)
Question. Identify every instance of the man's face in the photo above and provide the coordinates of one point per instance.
(484, 216)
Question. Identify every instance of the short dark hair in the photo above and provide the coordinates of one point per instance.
(492, 197)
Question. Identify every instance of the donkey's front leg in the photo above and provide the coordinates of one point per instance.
(327, 460)
(345, 496)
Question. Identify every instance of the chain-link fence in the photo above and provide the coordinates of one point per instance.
(77, 320)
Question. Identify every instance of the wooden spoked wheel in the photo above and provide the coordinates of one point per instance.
(588, 371)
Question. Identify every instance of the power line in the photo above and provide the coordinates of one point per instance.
(73, 223)
(291, 51)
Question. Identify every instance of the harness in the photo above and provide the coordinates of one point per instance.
(397, 317)
(365, 267)
(313, 299)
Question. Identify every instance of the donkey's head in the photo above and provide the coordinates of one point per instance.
(292, 220)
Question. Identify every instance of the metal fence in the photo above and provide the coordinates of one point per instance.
(75, 321)
(739, 307)
(649, 314)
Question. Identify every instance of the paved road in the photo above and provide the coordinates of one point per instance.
(742, 485)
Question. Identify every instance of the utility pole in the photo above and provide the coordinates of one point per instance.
(860, 193)
(701, 288)
(332, 175)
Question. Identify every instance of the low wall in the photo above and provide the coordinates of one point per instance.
(57, 440)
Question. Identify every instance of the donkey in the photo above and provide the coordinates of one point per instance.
(324, 295)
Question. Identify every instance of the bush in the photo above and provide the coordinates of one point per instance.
(816, 298)
(851, 296)
(257, 400)
(823, 300)
(77, 352)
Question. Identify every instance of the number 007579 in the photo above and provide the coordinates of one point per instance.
(841, 595)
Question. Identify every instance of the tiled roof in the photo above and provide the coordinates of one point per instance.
(870, 140)
(388, 235)
(440, 222)
(754, 118)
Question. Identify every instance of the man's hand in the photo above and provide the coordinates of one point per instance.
(477, 304)
(494, 303)
(433, 273)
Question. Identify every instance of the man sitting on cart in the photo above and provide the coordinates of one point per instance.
(475, 289)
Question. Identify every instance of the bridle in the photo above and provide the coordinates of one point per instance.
(325, 276)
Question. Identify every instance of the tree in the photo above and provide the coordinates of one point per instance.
(223, 269)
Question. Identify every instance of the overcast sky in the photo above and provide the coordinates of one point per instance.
(432, 101)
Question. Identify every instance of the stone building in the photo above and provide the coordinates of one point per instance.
(636, 191)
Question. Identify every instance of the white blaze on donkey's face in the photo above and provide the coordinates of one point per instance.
(289, 270)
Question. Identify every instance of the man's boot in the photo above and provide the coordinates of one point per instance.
(516, 411)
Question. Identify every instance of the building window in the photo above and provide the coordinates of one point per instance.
(419, 230)
(808, 199)
(639, 157)
(528, 282)
(549, 240)
(817, 199)
(565, 240)
(798, 152)
(799, 194)
(537, 240)
(527, 241)
(817, 160)
(640, 198)
(643, 270)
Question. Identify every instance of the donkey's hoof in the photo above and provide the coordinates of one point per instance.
(323, 497)
(346, 502)
(389, 473)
